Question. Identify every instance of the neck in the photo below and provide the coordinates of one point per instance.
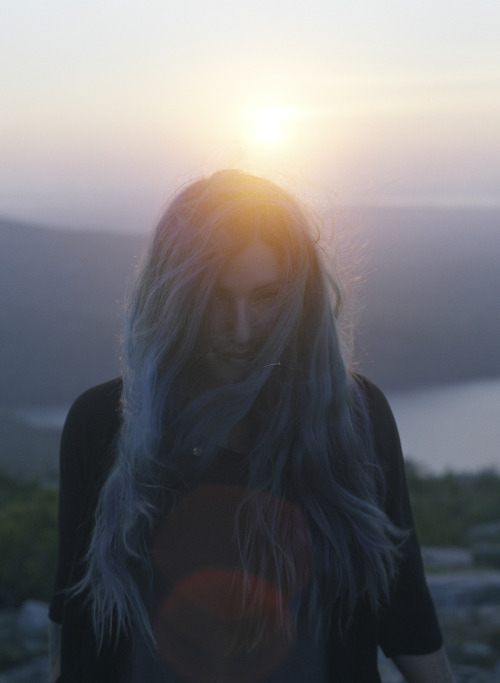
(239, 437)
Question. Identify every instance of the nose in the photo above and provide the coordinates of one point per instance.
(242, 324)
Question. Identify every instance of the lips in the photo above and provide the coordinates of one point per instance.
(228, 364)
(232, 354)
(236, 357)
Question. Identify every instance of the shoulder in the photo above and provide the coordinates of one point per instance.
(377, 405)
(103, 399)
(374, 398)
(91, 425)
(383, 425)
(98, 406)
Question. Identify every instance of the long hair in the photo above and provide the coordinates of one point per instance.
(312, 442)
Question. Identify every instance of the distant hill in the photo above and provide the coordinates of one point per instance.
(429, 297)
(61, 295)
(27, 451)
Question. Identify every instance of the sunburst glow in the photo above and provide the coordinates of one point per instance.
(268, 125)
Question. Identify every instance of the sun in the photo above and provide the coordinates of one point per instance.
(268, 125)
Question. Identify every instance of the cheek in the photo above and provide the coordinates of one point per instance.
(215, 322)
(266, 316)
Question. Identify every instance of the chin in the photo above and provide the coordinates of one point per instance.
(225, 373)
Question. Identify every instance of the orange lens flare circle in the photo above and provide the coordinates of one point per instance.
(209, 631)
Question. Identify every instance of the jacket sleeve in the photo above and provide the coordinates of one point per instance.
(74, 483)
(407, 624)
(86, 455)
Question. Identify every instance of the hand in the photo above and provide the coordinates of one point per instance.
(432, 668)
(54, 651)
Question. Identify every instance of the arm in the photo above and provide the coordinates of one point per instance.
(84, 458)
(431, 668)
(54, 651)
(408, 623)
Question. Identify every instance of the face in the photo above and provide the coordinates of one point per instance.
(241, 311)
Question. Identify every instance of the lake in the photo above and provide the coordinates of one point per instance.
(450, 427)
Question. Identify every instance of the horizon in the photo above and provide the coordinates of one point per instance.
(415, 295)
(340, 211)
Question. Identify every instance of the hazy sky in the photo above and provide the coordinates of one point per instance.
(107, 107)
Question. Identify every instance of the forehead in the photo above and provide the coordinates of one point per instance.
(254, 266)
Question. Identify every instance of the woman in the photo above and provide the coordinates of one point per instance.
(251, 517)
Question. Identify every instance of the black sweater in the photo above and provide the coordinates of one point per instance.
(407, 626)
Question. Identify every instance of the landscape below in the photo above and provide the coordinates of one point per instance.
(423, 315)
